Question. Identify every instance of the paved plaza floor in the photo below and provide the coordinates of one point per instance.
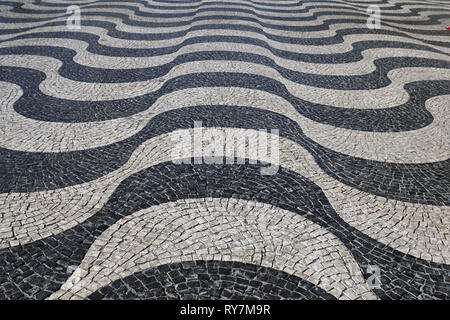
(242, 149)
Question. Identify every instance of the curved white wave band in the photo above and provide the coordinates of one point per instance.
(428, 144)
(420, 230)
(218, 229)
(264, 17)
(391, 95)
(364, 66)
(332, 29)
(345, 46)
(175, 8)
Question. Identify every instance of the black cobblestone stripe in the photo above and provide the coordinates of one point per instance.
(203, 6)
(113, 32)
(196, 280)
(431, 20)
(411, 115)
(198, 3)
(37, 269)
(374, 80)
(338, 38)
(427, 183)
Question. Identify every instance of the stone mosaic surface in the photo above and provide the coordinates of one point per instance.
(93, 205)
(211, 279)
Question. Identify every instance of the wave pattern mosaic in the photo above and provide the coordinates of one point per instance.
(131, 137)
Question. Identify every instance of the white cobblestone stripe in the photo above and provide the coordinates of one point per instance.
(105, 39)
(221, 229)
(296, 202)
(419, 230)
(292, 19)
(86, 58)
(405, 7)
(427, 144)
(240, 19)
(269, 20)
(392, 95)
(323, 152)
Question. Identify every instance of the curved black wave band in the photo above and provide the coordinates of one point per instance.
(199, 3)
(37, 269)
(338, 38)
(432, 20)
(374, 80)
(411, 115)
(422, 183)
(203, 7)
(211, 279)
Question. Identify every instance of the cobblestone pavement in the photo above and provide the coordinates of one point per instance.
(224, 149)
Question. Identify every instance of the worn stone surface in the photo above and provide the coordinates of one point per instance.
(210, 280)
(92, 205)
